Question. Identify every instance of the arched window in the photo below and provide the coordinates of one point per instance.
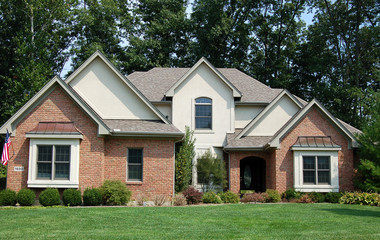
(203, 113)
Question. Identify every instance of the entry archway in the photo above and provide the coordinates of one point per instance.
(252, 174)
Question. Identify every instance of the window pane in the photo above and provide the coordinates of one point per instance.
(44, 170)
(203, 111)
(62, 153)
(135, 172)
(134, 155)
(62, 170)
(203, 123)
(45, 153)
(323, 177)
(309, 177)
(323, 162)
(308, 162)
(203, 100)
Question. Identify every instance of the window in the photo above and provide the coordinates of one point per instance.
(53, 162)
(316, 169)
(203, 113)
(135, 164)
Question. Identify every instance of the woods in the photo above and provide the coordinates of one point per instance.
(334, 59)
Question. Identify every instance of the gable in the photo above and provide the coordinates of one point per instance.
(109, 95)
(274, 118)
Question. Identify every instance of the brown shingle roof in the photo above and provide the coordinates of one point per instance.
(141, 126)
(245, 142)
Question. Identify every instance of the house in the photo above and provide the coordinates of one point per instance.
(99, 124)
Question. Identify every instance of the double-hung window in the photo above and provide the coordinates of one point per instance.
(53, 162)
(135, 164)
(316, 170)
(203, 113)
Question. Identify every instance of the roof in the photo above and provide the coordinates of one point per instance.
(315, 142)
(155, 82)
(55, 128)
(244, 143)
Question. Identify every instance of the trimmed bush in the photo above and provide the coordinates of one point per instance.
(372, 199)
(254, 197)
(115, 193)
(92, 197)
(273, 196)
(49, 197)
(305, 198)
(192, 195)
(317, 197)
(229, 197)
(7, 197)
(72, 197)
(25, 197)
(333, 197)
(291, 194)
(211, 197)
(179, 200)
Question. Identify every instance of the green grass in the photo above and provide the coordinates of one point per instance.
(239, 221)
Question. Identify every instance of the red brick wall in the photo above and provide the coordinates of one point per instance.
(158, 165)
(314, 124)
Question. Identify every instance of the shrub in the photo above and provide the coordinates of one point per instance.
(305, 198)
(26, 197)
(115, 193)
(179, 200)
(92, 197)
(333, 197)
(254, 197)
(372, 199)
(7, 197)
(211, 197)
(246, 191)
(317, 197)
(159, 200)
(291, 194)
(273, 196)
(211, 171)
(72, 197)
(229, 197)
(49, 197)
(192, 195)
(140, 199)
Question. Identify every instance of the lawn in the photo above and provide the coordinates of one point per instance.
(239, 221)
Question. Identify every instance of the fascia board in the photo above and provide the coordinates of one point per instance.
(122, 77)
(235, 91)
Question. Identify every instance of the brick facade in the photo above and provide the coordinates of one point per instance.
(279, 163)
(100, 158)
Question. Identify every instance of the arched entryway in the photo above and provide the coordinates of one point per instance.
(252, 174)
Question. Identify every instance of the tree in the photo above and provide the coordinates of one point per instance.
(368, 173)
(183, 162)
(211, 172)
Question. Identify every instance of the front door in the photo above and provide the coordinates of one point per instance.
(252, 174)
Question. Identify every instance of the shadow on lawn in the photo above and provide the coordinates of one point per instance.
(355, 212)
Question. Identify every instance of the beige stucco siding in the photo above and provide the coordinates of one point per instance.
(245, 114)
(108, 95)
(165, 109)
(274, 118)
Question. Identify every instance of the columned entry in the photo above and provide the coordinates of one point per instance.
(252, 174)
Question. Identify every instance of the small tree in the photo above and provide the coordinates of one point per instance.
(211, 172)
(183, 162)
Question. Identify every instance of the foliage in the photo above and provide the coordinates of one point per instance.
(305, 198)
(192, 195)
(246, 191)
(317, 197)
(368, 172)
(372, 199)
(229, 197)
(183, 161)
(179, 200)
(141, 199)
(211, 197)
(92, 197)
(159, 200)
(333, 197)
(72, 197)
(211, 171)
(115, 193)
(49, 197)
(273, 196)
(254, 197)
(290, 194)
(26, 197)
(7, 197)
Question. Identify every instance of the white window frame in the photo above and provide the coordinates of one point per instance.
(72, 182)
(299, 153)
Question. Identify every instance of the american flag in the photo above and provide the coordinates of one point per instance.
(5, 155)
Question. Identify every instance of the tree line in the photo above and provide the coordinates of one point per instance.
(334, 59)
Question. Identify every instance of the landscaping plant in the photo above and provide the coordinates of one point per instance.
(72, 197)
(115, 193)
(49, 197)
(229, 197)
(273, 196)
(254, 197)
(92, 197)
(7, 197)
(26, 197)
(192, 195)
(333, 197)
(179, 200)
(211, 171)
(372, 199)
(211, 197)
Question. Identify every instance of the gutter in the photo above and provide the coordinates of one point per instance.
(147, 134)
(244, 148)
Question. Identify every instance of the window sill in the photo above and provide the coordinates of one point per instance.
(52, 184)
(316, 188)
(134, 182)
(206, 131)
